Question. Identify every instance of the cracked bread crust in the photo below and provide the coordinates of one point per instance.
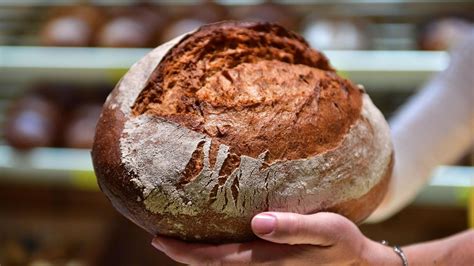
(234, 119)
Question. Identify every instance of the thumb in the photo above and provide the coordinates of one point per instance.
(322, 229)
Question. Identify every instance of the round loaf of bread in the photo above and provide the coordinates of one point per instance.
(234, 119)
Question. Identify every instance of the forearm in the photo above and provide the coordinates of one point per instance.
(434, 127)
(454, 250)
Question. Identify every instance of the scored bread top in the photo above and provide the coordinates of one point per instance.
(255, 88)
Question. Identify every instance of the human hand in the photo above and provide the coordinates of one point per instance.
(288, 239)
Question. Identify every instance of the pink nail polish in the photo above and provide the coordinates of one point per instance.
(263, 224)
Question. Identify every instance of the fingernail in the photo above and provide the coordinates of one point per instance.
(263, 224)
(157, 244)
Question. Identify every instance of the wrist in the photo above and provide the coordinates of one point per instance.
(376, 253)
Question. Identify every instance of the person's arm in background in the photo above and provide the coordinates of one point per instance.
(435, 127)
(454, 250)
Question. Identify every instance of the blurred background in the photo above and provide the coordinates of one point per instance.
(60, 59)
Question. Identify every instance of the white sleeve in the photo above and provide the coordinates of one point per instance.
(434, 127)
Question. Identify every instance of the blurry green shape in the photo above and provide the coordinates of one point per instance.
(85, 180)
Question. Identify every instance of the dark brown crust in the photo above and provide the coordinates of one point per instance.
(112, 177)
(115, 181)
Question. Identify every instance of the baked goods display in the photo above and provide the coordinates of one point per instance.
(195, 17)
(207, 130)
(233, 119)
(135, 26)
(269, 12)
(180, 26)
(31, 122)
(444, 33)
(74, 26)
(79, 132)
(335, 34)
(139, 25)
(147, 25)
(54, 115)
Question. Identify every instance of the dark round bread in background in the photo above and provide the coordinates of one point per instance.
(336, 34)
(125, 32)
(444, 33)
(56, 114)
(134, 26)
(268, 12)
(74, 26)
(195, 17)
(32, 122)
(234, 119)
(79, 133)
(180, 26)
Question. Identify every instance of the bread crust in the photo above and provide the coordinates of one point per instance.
(173, 178)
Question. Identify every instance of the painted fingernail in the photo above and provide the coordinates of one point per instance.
(263, 224)
(157, 244)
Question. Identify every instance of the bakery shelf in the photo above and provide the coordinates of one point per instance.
(48, 166)
(450, 185)
(28, 63)
(374, 69)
